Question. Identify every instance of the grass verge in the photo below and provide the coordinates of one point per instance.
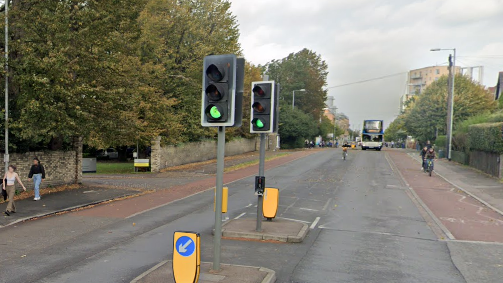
(114, 168)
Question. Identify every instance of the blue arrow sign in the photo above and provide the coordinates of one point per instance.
(185, 246)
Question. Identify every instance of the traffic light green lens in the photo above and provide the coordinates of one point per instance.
(214, 113)
(259, 124)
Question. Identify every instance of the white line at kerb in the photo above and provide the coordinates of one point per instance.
(241, 215)
(315, 223)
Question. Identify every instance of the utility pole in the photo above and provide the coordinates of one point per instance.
(6, 156)
(450, 103)
(450, 98)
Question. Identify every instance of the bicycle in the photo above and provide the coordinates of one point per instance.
(429, 166)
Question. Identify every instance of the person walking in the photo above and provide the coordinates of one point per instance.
(8, 185)
(37, 172)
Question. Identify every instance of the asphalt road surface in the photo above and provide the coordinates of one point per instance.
(364, 228)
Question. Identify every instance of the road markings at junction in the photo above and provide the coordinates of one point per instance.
(326, 204)
(296, 220)
(308, 209)
(241, 215)
(315, 222)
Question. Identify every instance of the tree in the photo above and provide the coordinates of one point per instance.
(428, 116)
(176, 35)
(113, 71)
(325, 127)
(302, 70)
(396, 130)
(295, 126)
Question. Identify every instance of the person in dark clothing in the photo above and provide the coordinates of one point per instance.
(37, 172)
(423, 157)
(428, 144)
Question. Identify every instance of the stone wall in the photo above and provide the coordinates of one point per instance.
(488, 162)
(167, 156)
(61, 167)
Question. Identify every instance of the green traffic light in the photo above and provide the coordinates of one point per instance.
(259, 124)
(215, 113)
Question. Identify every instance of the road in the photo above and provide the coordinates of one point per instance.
(365, 227)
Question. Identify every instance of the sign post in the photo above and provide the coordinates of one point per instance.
(260, 191)
(186, 257)
(218, 199)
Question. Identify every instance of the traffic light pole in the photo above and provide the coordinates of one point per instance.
(260, 202)
(218, 197)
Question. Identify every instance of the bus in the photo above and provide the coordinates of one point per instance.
(372, 134)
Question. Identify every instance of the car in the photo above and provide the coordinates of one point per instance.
(109, 153)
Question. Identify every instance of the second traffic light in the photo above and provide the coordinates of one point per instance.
(264, 107)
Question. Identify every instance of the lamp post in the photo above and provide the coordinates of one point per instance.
(293, 99)
(6, 66)
(450, 100)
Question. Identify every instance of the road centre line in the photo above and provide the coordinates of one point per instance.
(326, 204)
(314, 223)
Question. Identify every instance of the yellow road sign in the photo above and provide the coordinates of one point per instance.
(271, 201)
(186, 257)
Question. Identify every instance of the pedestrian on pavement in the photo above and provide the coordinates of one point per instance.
(9, 180)
(37, 172)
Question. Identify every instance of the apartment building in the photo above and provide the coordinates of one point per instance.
(419, 79)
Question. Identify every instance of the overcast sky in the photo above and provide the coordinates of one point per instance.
(364, 39)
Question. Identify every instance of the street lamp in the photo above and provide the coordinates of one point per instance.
(450, 108)
(293, 100)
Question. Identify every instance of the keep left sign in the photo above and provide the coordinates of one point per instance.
(186, 257)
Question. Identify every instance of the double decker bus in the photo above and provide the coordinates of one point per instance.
(372, 134)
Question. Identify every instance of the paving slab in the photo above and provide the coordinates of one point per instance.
(163, 273)
(281, 230)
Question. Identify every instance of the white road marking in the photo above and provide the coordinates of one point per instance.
(249, 205)
(314, 223)
(308, 209)
(239, 216)
(296, 220)
(326, 204)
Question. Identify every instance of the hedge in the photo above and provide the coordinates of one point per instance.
(486, 137)
(441, 142)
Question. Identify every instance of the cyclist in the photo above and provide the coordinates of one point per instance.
(423, 158)
(430, 156)
(345, 147)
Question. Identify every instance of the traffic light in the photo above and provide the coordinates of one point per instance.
(223, 77)
(264, 107)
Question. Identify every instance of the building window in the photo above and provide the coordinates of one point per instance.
(436, 79)
(420, 73)
(438, 72)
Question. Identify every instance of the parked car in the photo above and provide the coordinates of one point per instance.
(109, 153)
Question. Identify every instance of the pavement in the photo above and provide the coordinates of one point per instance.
(58, 202)
(163, 273)
(365, 223)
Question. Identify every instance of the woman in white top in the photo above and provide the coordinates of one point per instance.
(8, 184)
